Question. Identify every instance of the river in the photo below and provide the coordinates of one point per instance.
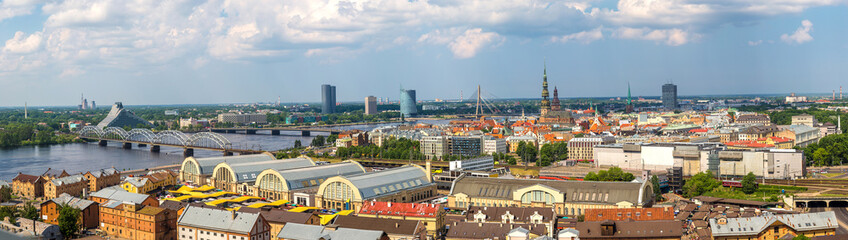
(82, 157)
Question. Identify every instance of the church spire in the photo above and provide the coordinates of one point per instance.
(628, 94)
(546, 104)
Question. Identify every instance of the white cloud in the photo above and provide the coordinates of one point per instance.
(671, 37)
(463, 44)
(755, 43)
(584, 37)
(801, 35)
(23, 44)
(71, 72)
(152, 33)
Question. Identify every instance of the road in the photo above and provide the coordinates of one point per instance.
(841, 217)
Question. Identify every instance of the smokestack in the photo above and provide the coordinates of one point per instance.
(429, 171)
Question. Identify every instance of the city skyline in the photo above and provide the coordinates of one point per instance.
(171, 53)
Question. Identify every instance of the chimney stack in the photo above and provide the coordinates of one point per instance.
(429, 171)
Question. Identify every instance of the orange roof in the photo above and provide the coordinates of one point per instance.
(700, 130)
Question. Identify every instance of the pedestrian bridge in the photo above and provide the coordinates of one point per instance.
(813, 202)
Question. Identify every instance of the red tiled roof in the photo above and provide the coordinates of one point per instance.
(400, 209)
(25, 178)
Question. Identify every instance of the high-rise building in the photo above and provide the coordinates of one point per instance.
(669, 96)
(407, 103)
(328, 99)
(93, 104)
(370, 105)
(629, 107)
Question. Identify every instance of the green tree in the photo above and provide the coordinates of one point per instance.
(821, 157)
(297, 144)
(655, 182)
(7, 211)
(69, 221)
(614, 174)
(801, 237)
(591, 176)
(749, 183)
(29, 212)
(699, 184)
(5, 194)
(527, 152)
(318, 141)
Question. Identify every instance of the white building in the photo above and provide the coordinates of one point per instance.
(494, 145)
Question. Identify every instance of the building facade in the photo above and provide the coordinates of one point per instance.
(494, 145)
(583, 148)
(328, 99)
(565, 197)
(408, 107)
(243, 118)
(669, 96)
(74, 185)
(217, 224)
(774, 226)
(28, 186)
(102, 178)
(137, 222)
(465, 146)
(89, 210)
(198, 171)
(286, 184)
(434, 147)
(409, 183)
(240, 177)
(370, 105)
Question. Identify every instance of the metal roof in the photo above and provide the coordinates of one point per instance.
(388, 181)
(355, 234)
(136, 181)
(575, 191)
(218, 219)
(207, 165)
(248, 171)
(72, 201)
(120, 195)
(295, 178)
(68, 180)
(755, 225)
(297, 231)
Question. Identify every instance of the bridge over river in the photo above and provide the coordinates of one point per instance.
(143, 137)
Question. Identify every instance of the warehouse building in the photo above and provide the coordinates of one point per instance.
(240, 177)
(294, 184)
(565, 197)
(199, 170)
(405, 184)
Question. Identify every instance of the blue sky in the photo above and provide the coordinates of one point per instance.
(215, 51)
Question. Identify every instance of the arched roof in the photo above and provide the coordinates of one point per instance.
(374, 184)
(295, 178)
(207, 165)
(249, 171)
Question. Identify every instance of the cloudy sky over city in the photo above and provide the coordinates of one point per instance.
(195, 51)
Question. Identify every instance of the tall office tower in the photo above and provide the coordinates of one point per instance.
(93, 104)
(407, 103)
(370, 105)
(85, 104)
(669, 96)
(328, 99)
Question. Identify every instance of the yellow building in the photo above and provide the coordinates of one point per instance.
(770, 227)
(565, 197)
(102, 178)
(150, 182)
(73, 185)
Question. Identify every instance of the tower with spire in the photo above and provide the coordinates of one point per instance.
(555, 101)
(546, 104)
(629, 107)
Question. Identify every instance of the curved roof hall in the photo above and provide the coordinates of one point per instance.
(249, 171)
(376, 184)
(207, 165)
(298, 178)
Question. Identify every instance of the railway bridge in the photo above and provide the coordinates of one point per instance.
(143, 137)
(815, 202)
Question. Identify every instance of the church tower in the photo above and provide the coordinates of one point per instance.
(555, 101)
(546, 104)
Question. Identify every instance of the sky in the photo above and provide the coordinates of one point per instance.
(212, 51)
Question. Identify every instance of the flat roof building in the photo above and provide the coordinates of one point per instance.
(370, 105)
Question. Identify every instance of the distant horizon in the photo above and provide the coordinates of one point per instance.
(680, 97)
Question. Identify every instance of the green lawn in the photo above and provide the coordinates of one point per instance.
(766, 193)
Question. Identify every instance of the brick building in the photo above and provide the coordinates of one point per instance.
(74, 185)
